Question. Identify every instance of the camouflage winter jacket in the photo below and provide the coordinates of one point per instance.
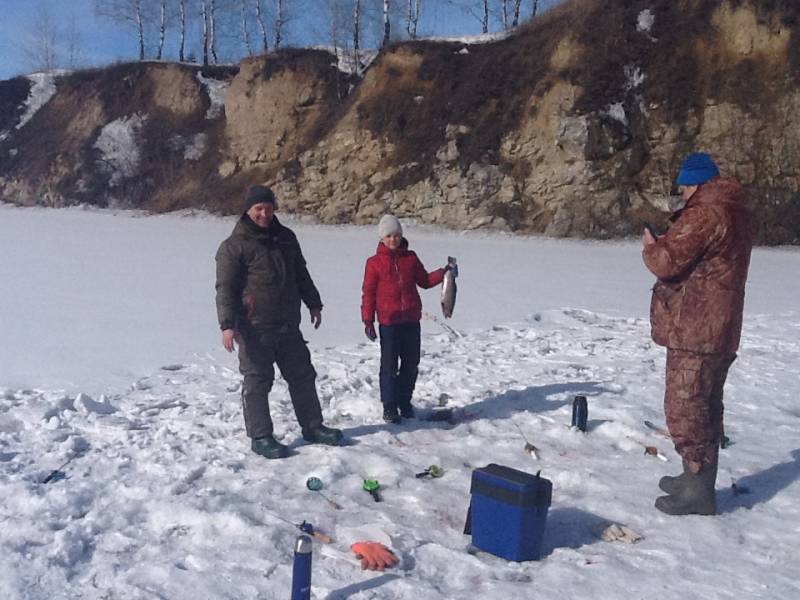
(701, 264)
(261, 278)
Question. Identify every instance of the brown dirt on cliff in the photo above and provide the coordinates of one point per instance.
(337, 86)
(56, 146)
(683, 59)
(484, 87)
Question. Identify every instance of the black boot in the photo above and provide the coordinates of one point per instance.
(390, 415)
(407, 411)
(696, 495)
(268, 447)
(323, 435)
(672, 485)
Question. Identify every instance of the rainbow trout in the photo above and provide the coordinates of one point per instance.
(449, 288)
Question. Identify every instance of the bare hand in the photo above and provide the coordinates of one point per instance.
(316, 316)
(228, 337)
(647, 238)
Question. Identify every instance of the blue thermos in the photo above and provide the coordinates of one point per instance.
(301, 572)
(580, 412)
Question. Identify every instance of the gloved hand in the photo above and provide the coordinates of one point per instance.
(374, 556)
(369, 331)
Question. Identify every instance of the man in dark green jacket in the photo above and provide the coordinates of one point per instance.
(261, 280)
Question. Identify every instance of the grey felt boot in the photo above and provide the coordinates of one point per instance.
(672, 485)
(696, 494)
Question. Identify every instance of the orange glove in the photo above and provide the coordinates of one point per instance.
(374, 556)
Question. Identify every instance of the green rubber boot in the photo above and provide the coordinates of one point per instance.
(323, 435)
(696, 495)
(268, 447)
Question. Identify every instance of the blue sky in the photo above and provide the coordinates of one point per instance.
(102, 42)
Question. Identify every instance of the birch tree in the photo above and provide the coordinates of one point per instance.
(412, 17)
(517, 8)
(129, 13)
(204, 18)
(182, 26)
(387, 27)
(356, 28)
(280, 21)
(245, 28)
(162, 28)
(262, 27)
(212, 29)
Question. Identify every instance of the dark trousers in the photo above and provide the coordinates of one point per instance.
(693, 403)
(258, 352)
(399, 343)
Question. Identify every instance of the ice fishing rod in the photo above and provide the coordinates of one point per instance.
(445, 326)
(305, 526)
(53, 474)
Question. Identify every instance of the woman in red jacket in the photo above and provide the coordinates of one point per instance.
(390, 285)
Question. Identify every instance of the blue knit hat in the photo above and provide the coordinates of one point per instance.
(697, 168)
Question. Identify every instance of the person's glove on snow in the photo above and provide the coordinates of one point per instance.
(374, 556)
(369, 331)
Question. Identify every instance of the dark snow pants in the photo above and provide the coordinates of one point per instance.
(399, 343)
(693, 403)
(258, 352)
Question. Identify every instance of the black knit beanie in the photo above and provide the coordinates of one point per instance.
(256, 195)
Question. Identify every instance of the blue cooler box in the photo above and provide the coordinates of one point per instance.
(508, 512)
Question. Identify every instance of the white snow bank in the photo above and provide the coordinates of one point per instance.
(196, 147)
(617, 111)
(482, 38)
(119, 148)
(42, 89)
(216, 90)
(645, 21)
(346, 59)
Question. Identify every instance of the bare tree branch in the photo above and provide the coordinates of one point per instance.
(40, 46)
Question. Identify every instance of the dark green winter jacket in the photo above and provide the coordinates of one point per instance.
(261, 278)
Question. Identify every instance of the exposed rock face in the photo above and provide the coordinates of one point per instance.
(274, 107)
(574, 126)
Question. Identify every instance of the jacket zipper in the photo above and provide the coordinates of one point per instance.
(396, 262)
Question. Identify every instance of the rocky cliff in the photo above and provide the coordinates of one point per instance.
(573, 126)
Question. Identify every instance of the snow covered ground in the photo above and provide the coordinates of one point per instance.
(111, 358)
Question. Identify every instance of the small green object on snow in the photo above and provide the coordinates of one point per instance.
(726, 442)
(434, 471)
(372, 486)
(315, 485)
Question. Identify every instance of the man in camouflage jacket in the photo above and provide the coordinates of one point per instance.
(696, 312)
(261, 280)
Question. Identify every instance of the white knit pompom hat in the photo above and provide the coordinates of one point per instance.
(388, 225)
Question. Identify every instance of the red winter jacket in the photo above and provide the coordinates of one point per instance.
(390, 286)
